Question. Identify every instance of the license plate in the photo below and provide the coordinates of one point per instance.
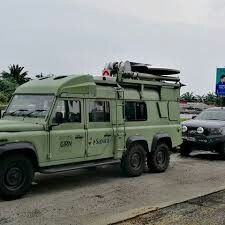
(202, 140)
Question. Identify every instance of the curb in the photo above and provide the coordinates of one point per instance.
(133, 213)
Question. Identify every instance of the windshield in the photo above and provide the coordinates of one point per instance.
(212, 115)
(30, 105)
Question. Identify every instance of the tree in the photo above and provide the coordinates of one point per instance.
(16, 74)
(7, 88)
(188, 97)
(200, 98)
(210, 99)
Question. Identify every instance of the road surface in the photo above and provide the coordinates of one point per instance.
(102, 196)
(207, 210)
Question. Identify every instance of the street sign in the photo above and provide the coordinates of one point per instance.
(220, 82)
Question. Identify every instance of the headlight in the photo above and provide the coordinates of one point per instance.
(184, 129)
(200, 130)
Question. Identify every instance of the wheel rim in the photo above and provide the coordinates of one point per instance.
(160, 157)
(136, 160)
(14, 178)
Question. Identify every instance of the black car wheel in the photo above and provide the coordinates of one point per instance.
(221, 150)
(185, 149)
(16, 175)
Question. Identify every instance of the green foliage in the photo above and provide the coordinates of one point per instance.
(11, 80)
(16, 74)
(188, 97)
(209, 99)
(3, 98)
(7, 88)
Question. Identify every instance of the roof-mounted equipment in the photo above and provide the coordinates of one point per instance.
(139, 71)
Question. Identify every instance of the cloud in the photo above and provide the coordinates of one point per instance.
(76, 36)
(163, 11)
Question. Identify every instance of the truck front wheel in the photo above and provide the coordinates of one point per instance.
(133, 161)
(16, 175)
(158, 160)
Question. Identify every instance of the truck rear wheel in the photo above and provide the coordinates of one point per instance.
(16, 175)
(158, 160)
(133, 162)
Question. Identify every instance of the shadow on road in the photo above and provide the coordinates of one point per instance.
(79, 178)
(206, 156)
(87, 177)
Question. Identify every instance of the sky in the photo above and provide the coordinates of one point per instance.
(80, 36)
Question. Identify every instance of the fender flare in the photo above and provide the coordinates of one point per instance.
(136, 138)
(159, 137)
(17, 146)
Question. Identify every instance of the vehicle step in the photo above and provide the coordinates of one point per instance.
(76, 166)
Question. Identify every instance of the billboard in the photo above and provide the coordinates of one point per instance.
(220, 82)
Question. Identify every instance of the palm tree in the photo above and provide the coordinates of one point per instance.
(200, 98)
(188, 97)
(210, 98)
(16, 74)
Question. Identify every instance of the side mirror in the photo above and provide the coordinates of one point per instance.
(193, 117)
(58, 119)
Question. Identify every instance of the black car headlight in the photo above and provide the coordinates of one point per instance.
(184, 128)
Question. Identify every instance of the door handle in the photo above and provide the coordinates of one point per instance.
(79, 137)
(107, 135)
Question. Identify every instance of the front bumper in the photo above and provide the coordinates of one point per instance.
(203, 142)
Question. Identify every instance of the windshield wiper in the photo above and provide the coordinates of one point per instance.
(18, 110)
(37, 110)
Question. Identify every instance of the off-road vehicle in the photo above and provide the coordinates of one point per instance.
(61, 123)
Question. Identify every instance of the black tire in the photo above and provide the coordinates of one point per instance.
(185, 150)
(133, 161)
(16, 175)
(158, 160)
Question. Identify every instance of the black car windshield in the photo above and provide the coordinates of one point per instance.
(212, 115)
(30, 105)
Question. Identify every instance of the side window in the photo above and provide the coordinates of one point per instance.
(99, 111)
(68, 111)
(135, 111)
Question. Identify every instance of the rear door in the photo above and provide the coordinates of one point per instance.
(99, 128)
(67, 140)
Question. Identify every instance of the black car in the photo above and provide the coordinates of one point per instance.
(205, 132)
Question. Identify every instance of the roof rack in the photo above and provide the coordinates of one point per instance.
(139, 73)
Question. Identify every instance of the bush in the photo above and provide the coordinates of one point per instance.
(7, 88)
(3, 98)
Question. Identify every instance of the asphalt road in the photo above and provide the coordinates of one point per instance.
(207, 210)
(98, 197)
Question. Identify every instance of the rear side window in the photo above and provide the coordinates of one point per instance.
(99, 111)
(135, 111)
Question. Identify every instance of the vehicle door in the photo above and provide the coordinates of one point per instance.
(99, 128)
(67, 138)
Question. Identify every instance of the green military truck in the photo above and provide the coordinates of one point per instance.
(62, 123)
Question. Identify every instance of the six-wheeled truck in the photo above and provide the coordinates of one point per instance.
(61, 123)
